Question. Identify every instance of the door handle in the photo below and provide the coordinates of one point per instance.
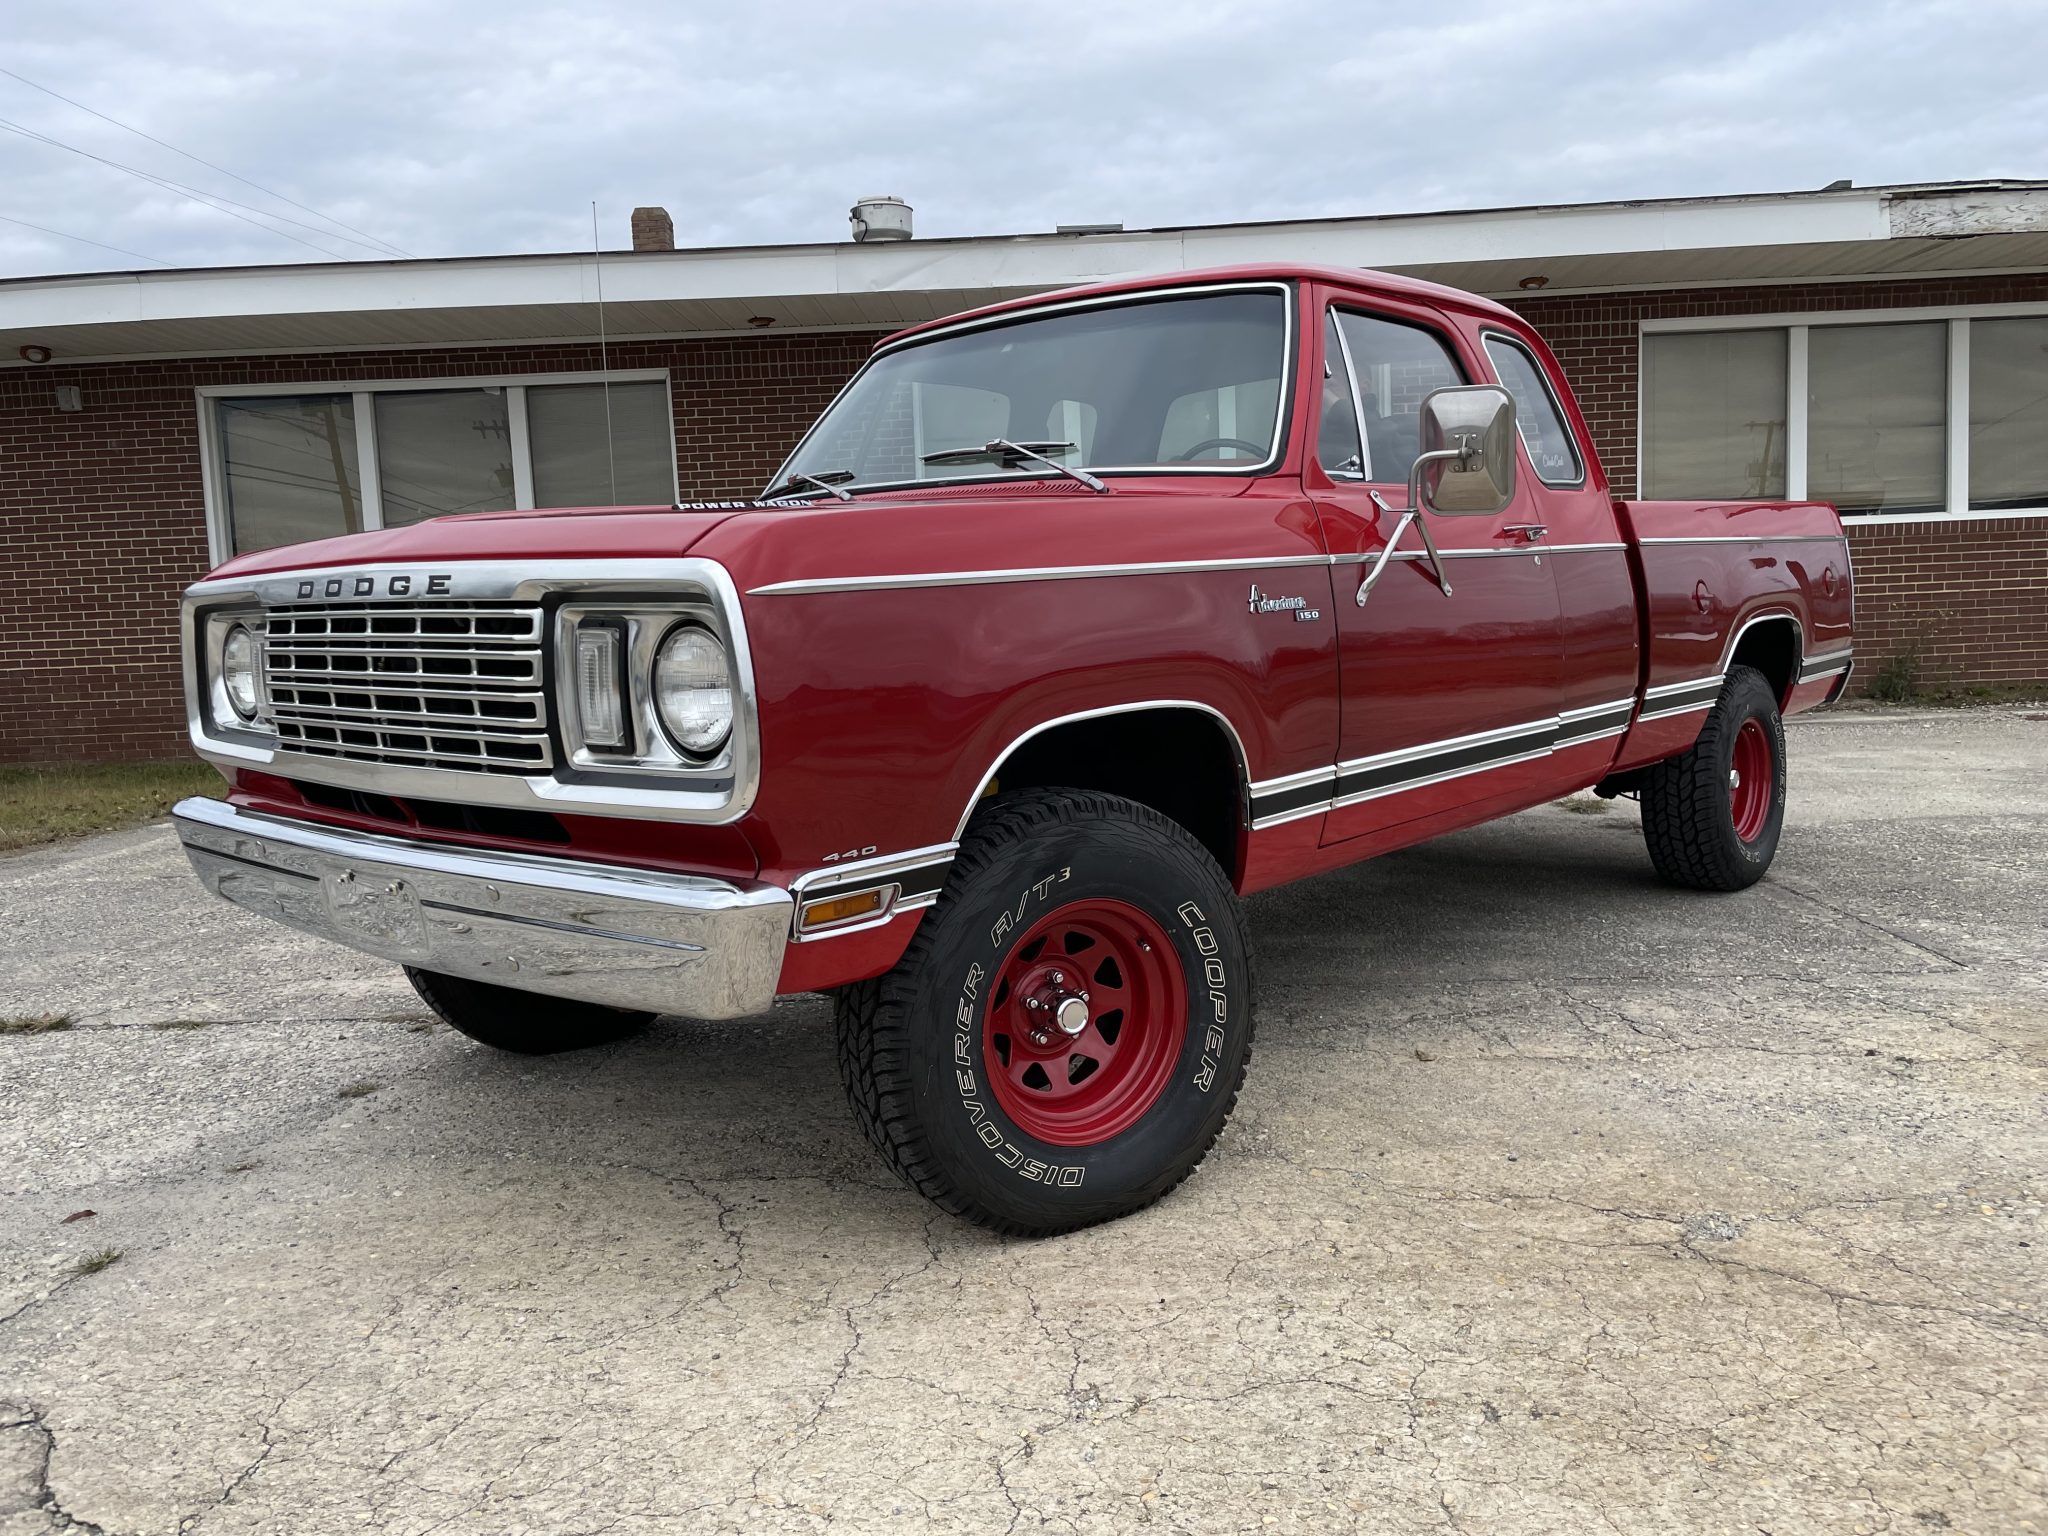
(1530, 532)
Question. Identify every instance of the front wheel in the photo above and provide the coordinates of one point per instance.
(1065, 1037)
(525, 1023)
(1712, 815)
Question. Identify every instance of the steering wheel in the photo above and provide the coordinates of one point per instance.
(1257, 450)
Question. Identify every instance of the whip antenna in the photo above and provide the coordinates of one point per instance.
(604, 358)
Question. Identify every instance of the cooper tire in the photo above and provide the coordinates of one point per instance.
(526, 1023)
(1063, 908)
(1713, 814)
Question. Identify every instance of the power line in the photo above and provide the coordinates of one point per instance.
(198, 160)
(211, 200)
(121, 249)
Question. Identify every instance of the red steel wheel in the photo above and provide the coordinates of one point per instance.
(1752, 771)
(1086, 1022)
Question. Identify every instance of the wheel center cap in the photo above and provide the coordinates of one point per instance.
(1072, 1016)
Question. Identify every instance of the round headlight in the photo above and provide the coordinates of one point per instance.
(693, 689)
(238, 671)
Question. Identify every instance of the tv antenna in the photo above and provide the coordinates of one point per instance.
(604, 357)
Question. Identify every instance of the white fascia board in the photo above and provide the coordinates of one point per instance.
(1007, 262)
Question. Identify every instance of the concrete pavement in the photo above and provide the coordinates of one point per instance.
(1557, 1201)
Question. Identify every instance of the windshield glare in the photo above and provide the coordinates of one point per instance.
(1189, 382)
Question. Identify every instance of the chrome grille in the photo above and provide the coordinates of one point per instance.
(447, 684)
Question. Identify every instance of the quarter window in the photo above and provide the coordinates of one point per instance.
(1338, 449)
(1552, 452)
(1395, 366)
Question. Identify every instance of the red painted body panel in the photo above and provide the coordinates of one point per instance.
(884, 710)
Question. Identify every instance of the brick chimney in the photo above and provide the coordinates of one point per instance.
(653, 230)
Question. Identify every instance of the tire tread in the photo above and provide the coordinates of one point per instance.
(871, 1018)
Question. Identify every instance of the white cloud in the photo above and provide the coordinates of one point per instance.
(471, 127)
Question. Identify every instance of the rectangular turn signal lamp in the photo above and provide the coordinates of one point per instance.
(598, 704)
(844, 909)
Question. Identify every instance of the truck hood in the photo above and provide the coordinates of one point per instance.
(575, 533)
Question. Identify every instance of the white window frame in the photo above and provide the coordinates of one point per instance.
(1798, 327)
(213, 458)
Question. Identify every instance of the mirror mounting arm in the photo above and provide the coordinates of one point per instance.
(1413, 515)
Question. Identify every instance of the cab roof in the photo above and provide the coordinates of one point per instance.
(1362, 280)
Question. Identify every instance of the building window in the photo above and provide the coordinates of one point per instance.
(598, 447)
(1713, 415)
(287, 468)
(290, 468)
(1904, 416)
(441, 451)
(1876, 417)
(2009, 413)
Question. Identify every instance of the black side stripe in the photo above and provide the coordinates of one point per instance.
(1679, 700)
(1389, 776)
(1825, 666)
(1280, 801)
(1571, 732)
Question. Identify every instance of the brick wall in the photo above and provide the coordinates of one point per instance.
(1970, 599)
(102, 516)
(102, 520)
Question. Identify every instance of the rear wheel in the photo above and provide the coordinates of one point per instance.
(527, 1023)
(1712, 815)
(1066, 1035)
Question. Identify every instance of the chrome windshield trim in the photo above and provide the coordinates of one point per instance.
(1283, 413)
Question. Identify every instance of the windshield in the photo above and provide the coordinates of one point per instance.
(1187, 383)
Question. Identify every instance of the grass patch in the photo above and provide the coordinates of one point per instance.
(34, 1023)
(1580, 807)
(362, 1088)
(93, 1263)
(44, 804)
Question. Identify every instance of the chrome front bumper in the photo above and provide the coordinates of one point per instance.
(627, 938)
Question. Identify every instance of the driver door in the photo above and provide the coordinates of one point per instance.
(1448, 702)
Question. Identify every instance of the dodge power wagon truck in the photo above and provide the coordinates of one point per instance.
(1072, 622)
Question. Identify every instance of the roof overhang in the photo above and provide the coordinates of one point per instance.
(1878, 232)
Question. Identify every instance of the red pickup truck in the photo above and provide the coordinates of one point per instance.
(1072, 622)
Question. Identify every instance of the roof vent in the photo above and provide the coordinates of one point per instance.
(880, 218)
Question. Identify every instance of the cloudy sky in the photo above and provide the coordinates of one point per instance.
(479, 126)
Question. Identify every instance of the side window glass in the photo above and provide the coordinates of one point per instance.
(1337, 445)
(1396, 366)
(1551, 449)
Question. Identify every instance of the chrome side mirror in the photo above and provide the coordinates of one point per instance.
(1467, 464)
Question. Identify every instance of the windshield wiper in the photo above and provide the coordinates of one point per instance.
(1001, 450)
(830, 481)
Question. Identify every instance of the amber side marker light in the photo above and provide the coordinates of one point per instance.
(842, 909)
